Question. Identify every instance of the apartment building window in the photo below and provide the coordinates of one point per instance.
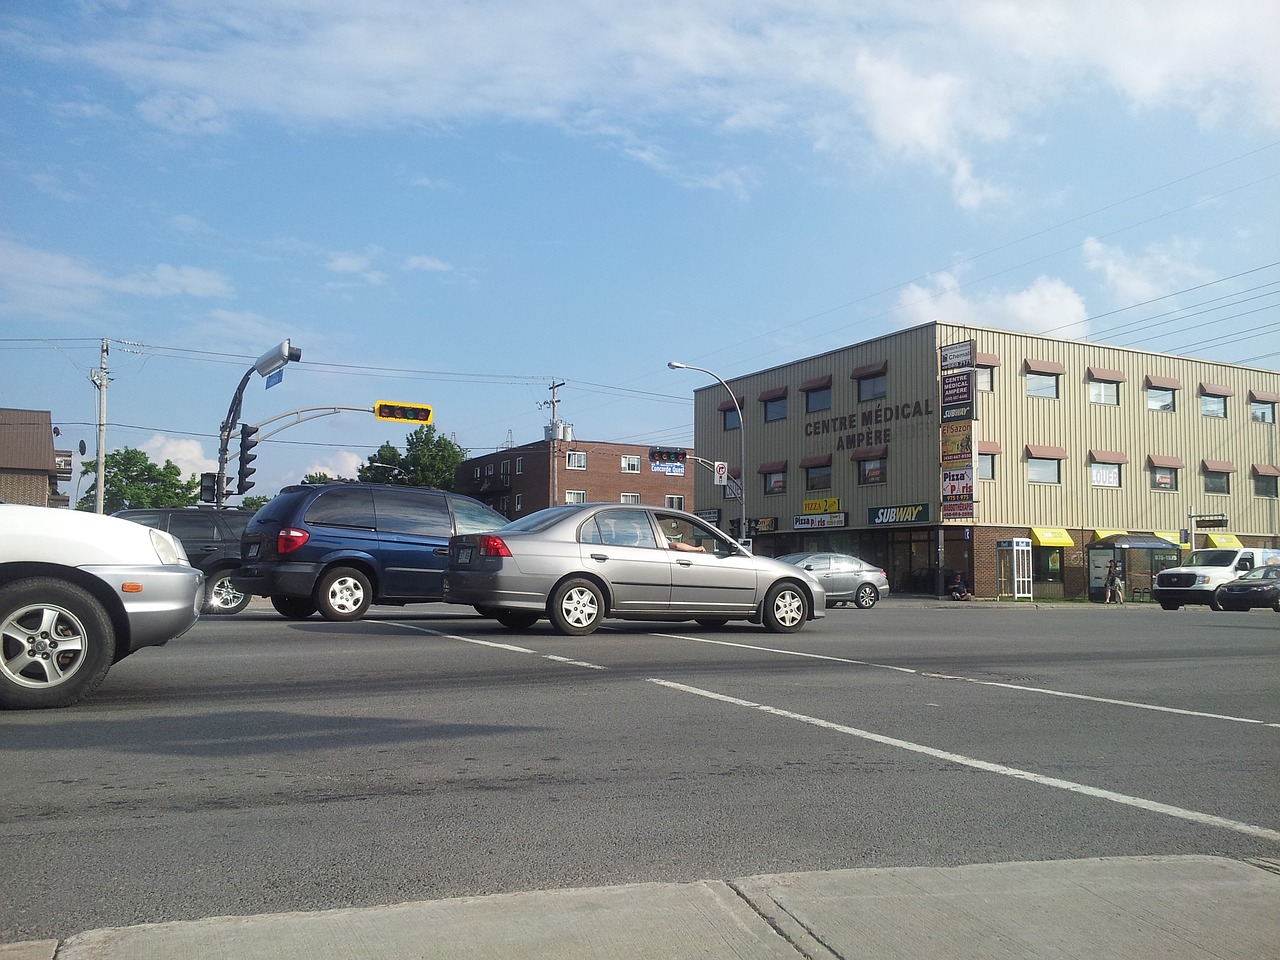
(575, 460)
(984, 372)
(477, 472)
(675, 502)
(488, 469)
(504, 504)
(873, 381)
(630, 464)
(1043, 377)
(1105, 467)
(729, 416)
(1044, 464)
(1266, 481)
(1213, 400)
(519, 502)
(519, 465)
(631, 498)
(506, 468)
(1162, 394)
(1262, 406)
(873, 471)
(1104, 386)
(988, 450)
(575, 496)
(817, 394)
(1217, 475)
(817, 477)
(1164, 472)
(775, 404)
(775, 476)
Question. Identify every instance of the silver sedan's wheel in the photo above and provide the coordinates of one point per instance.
(576, 608)
(866, 596)
(786, 608)
(56, 643)
(343, 594)
(221, 597)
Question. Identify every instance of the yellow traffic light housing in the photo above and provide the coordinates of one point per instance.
(402, 412)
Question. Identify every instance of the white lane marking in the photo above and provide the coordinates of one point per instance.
(1151, 806)
(574, 663)
(499, 646)
(989, 683)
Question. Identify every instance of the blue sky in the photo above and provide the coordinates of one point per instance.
(462, 203)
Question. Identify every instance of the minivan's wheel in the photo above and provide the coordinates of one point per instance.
(576, 607)
(221, 597)
(516, 619)
(295, 608)
(343, 594)
(786, 608)
(56, 643)
(866, 596)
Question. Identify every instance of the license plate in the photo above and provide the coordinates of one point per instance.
(464, 554)
(253, 550)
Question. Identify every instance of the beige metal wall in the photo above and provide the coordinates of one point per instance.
(1010, 418)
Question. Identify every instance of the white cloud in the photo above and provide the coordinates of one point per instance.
(183, 114)
(165, 280)
(341, 463)
(361, 265)
(187, 455)
(1159, 270)
(430, 264)
(1048, 306)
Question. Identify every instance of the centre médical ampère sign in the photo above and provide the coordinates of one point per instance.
(868, 428)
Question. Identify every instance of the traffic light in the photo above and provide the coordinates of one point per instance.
(667, 455)
(402, 412)
(208, 488)
(248, 440)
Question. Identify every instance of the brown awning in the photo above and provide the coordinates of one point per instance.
(870, 453)
(777, 393)
(1107, 456)
(1046, 453)
(1170, 463)
(1044, 366)
(1164, 383)
(1266, 470)
(729, 405)
(988, 446)
(1110, 376)
(1216, 390)
(986, 360)
(1264, 396)
(815, 383)
(822, 461)
(870, 370)
(773, 466)
(1218, 466)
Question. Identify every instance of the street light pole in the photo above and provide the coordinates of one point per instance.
(268, 363)
(742, 439)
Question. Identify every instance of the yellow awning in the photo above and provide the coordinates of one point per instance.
(1051, 537)
(1103, 534)
(1174, 538)
(1223, 540)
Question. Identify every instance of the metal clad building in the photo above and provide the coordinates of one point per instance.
(1073, 441)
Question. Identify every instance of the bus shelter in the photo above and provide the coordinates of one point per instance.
(1139, 557)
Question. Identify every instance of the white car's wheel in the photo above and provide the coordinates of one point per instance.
(56, 643)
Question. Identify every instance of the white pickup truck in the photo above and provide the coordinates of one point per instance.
(1203, 572)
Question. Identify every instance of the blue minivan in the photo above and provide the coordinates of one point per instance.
(338, 547)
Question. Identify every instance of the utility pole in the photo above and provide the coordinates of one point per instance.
(100, 380)
(553, 434)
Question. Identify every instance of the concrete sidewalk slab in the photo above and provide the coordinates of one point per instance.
(1142, 908)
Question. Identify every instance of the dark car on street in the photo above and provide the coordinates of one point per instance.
(578, 564)
(211, 539)
(1260, 587)
(339, 547)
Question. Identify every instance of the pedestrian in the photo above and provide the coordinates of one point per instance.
(959, 589)
(1114, 583)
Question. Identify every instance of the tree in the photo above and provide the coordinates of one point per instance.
(133, 481)
(429, 460)
(254, 503)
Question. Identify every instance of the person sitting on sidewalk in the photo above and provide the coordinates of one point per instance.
(959, 590)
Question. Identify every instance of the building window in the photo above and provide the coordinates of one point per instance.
(1161, 398)
(506, 468)
(986, 466)
(873, 471)
(504, 504)
(984, 379)
(1104, 474)
(817, 478)
(1042, 385)
(519, 500)
(817, 400)
(775, 482)
(1164, 478)
(519, 465)
(630, 464)
(488, 469)
(1212, 405)
(631, 498)
(874, 387)
(1266, 484)
(575, 460)
(1217, 481)
(775, 409)
(1046, 564)
(675, 502)
(1105, 392)
(575, 496)
(1044, 470)
(477, 473)
(1260, 411)
(731, 419)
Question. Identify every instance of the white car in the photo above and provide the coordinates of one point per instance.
(79, 592)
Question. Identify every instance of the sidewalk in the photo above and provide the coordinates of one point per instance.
(1140, 908)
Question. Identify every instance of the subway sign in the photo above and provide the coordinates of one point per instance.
(907, 513)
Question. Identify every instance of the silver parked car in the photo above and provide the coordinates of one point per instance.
(577, 564)
(845, 578)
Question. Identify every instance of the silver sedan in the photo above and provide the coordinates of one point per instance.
(578, 564)
(846, 579)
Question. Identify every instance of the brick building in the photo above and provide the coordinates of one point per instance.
(30, 468)
(519, 480)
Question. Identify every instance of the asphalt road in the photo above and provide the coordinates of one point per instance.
(261, 765)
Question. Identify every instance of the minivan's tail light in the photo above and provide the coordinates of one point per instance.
(290, 539)
(491, 546)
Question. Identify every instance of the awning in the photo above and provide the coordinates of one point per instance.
(1051, 537)
(1103, 534)
(1223, 540)
(1174, 538)
(1132, 541)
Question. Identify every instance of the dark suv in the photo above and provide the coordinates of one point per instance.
(212, 541)
(339, 547)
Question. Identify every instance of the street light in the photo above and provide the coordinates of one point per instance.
(268, 363)
(742, 439)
